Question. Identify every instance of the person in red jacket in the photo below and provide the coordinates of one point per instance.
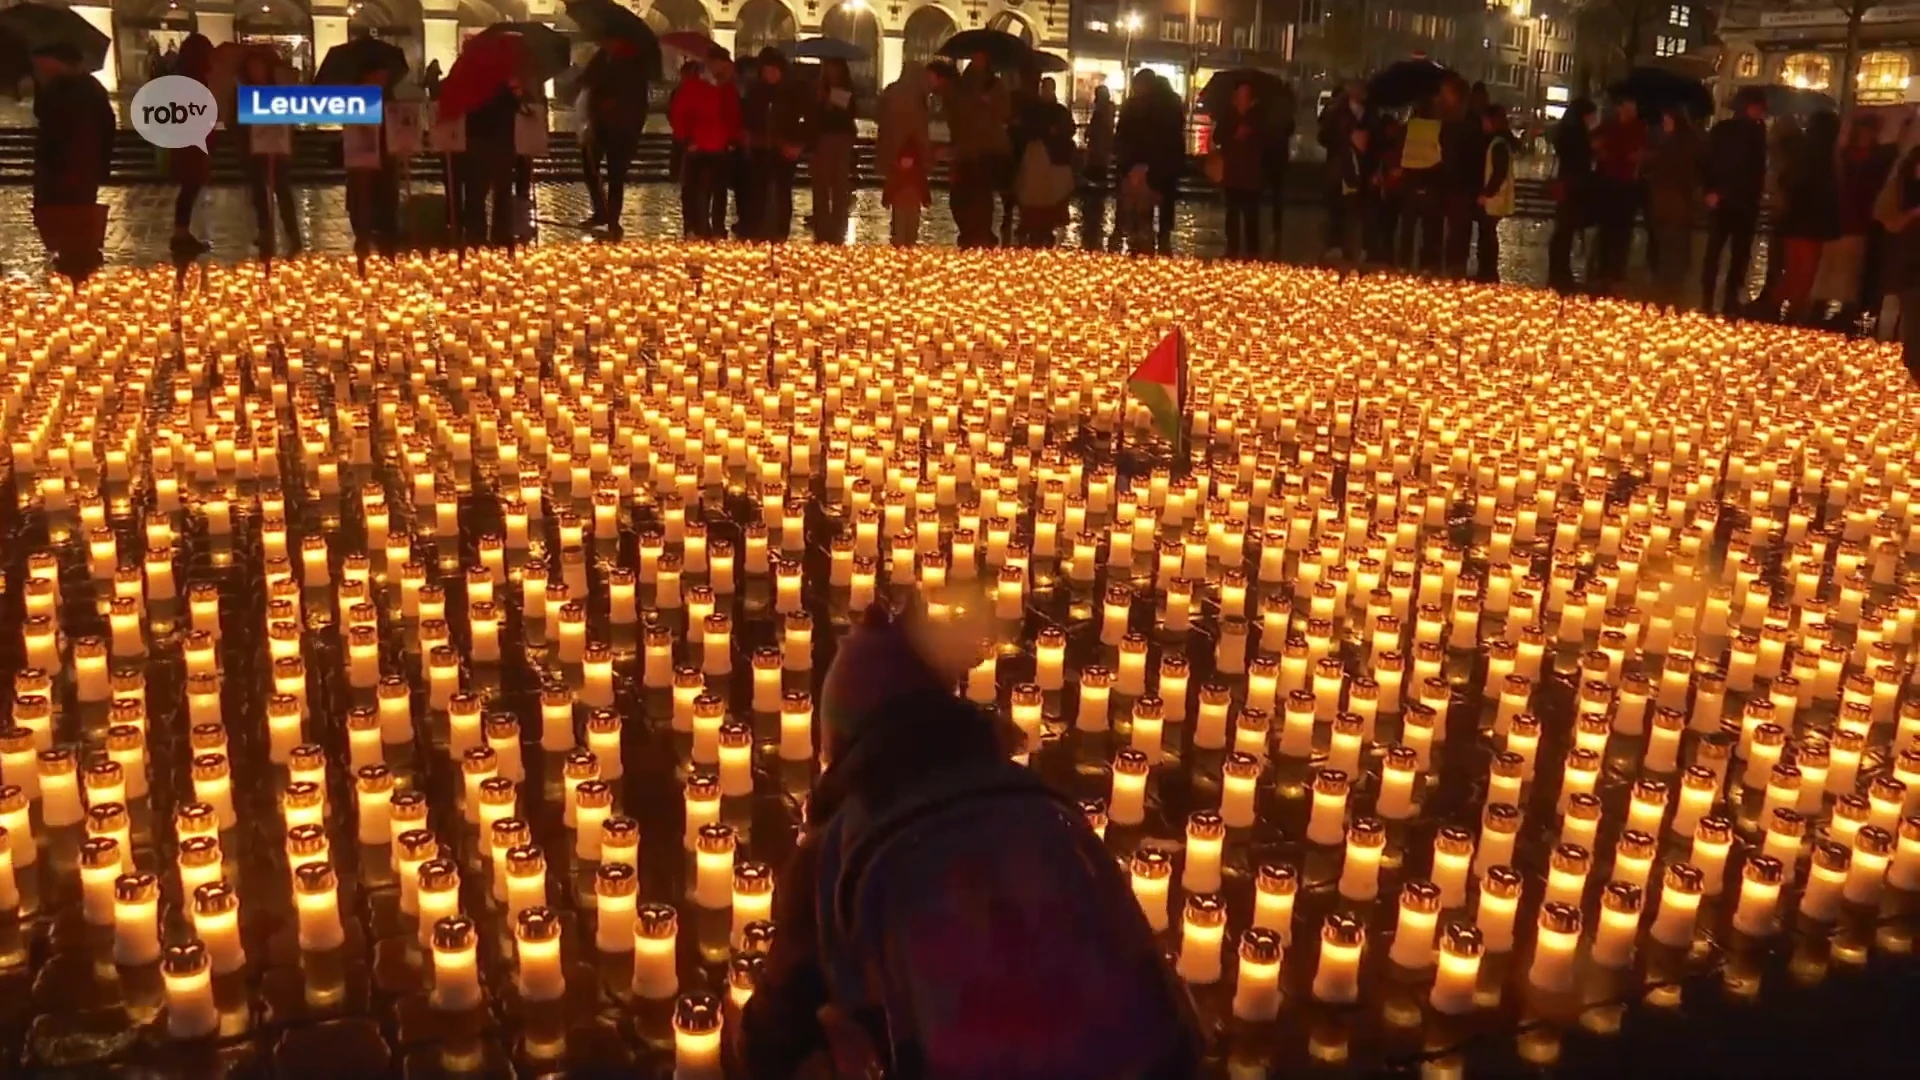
(705, 115)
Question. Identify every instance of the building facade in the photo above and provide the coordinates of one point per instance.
(1804, 45)
(894, 32)
(1184, 40)
(1527, 57)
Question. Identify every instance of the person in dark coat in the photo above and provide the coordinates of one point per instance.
(190, 166)
(615, 87)
(1573, 190)
(1099, 137)
(1170, 139)
(1897, 209)
(1736, 179)
(978, 110)
(830, 133)
(72, 154)
(269, 185)
(1044, 183)
(946, 914)
(1278, 155)
(1810, 215)
(775, 118)
(1674, 167)
(1463, 161)
(1345, 111)
(1240, 138)
(1151, 133)
(1848, 265)
(1425, 175)
(489, 169)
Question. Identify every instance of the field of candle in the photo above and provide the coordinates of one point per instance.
(415, 673)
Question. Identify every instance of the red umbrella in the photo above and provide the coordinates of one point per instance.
(488, 64)
(688, 41)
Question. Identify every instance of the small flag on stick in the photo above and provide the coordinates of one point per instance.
(1160, 382)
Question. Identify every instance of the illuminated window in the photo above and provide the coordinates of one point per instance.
(1680, 15)
(1807, 71)
(1883, 78)
(1206, 31)
(1668, 45)
(1747, 66)
(1173, 28)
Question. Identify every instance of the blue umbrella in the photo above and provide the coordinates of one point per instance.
(824, 48)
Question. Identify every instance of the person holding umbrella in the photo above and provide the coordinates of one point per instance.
(615, 88)
(1345, 111)
(1674, 167)
(705, 114)
(978, 108)
(830, 132)
(72, 153)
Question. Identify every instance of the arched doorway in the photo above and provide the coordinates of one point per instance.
(282, 25)
(927, 29)
(667, 16)
(853, 23)
(394, 21)
(762, 23)
(1009, 23)
(142, 32)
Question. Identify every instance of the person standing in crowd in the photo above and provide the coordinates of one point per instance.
(1277, 157)
(1386, 188)
(1620, 153)
(268, 185)
(615, 88)
(72, 156)
(1463, 174)
(1151, 133)
(831, 132)
(1897, 209)
(1736, 177)
(1345, 111)
(705, 115)
(1240, 139)
(430, 80)
(592, 157)
(1844, 263)
(946, 914)
(190, 166)
(1422, 151)
(1574, 191)
(775, 119)
(977, 109)
(1044, 185)
(1170, 128)
(490, 164)
(1495, 201)
(903, 153)
(1099, 137)
(1809, 217)
(1674, 167)
(690, 72)
(1359, 194)
(373, 194)
(1785, 138)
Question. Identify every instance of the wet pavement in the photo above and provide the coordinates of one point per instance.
(140, 225)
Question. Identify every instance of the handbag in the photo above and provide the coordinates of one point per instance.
(72, 227)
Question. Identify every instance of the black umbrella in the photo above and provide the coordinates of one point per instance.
(37, 26)
(1002, 49)
(548, 49)
(1047, 63)
(1795, 101)
(1405, 83)
(1218, 93)
(1657, 90)
(352, 61)
(604, 20)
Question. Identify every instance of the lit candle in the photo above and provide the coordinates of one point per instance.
(1336, 980)
(656, 931)
(187, 974)
(1256, 995)
(1202, 928)
(1872, 851)
(456, 967)
(1499, 902)
(1680, 895)
(713, 867)
(697, 1022)
(1554, 947)
(316, 897)
(216, 923)
(1760, 882)
(1413, 937)
(1459, 971)
(1360, 873)
(1152, 874)
(536, 938)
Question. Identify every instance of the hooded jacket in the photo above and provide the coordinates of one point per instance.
(903, 119)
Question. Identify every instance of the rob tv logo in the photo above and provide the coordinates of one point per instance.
(174, 112)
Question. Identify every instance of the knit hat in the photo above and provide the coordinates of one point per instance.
(888, 658)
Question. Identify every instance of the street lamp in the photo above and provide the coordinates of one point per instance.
(1130, 22)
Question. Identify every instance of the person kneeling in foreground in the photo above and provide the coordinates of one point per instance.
(947, 916)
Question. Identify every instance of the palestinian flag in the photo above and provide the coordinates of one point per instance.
(1160, 382)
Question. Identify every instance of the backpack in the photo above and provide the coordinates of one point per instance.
(897, 825)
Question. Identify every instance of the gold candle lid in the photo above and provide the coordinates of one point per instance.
(1462, 940)
(501, 727)
(658, 922)
(1501, 818)
(210, 766)
(373, 779)
(603, 722)
(753, 879)
(56, 762)
(497, 791)
(1559, 918)
(616, 879)
(1422, 897)
(1684, 878)
(538, 923)
(198, 851)
(1205, 910)
(1330, 782)
(1131, 761)
(306, 840)
(1343, 930)
(715, 838)
(1205, 825)
(138, 887)
(697, 1014)
(1153, 864)
(103, 774)
(419, 845)
(1622, 896)
(1571, 859)
(1501, 881)
(1583, 806)
(508, 833)
(314, 879)
(580, 764)
(105, 818)
(208, 736)
(1367, 832)
(185, 961)
(439, 875)
(98, 852)
(455, 934)
(408, 805)
(215, 898)
(302, 795)
(1259, 945)
(619, 831)
(13, 798)
(1873, 840)
(16, 739)
(1763, 870)
(1508, 765)
(362, 719)
(1832, 856)
(1713, 830)
(1241, 765)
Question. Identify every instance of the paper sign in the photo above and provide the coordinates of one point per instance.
(445, 138)
(360, 144)
(406, 122)
(530, 130)
(270, 139)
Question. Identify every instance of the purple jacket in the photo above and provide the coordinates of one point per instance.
(969, 918)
